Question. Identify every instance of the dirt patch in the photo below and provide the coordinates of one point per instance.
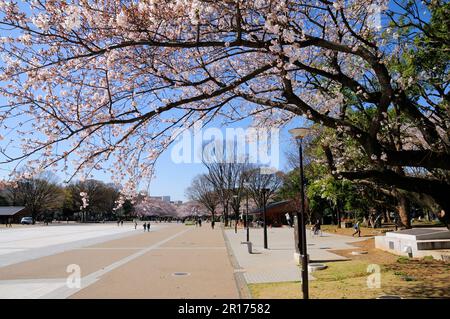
(373, 255)
(365, 232)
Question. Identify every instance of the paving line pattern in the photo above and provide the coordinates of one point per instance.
(65, 292)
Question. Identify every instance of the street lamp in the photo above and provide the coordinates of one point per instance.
(299, 134)
(264, 192)
(235, 197)
(247, 185)
(340, 203)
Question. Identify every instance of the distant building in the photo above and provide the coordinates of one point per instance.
(276, 212)
(166, 199)
(162, 198)
(15, 213)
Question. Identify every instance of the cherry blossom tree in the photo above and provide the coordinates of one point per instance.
(192, 208)
(148, 206)
(93, 198)
(85, 203)
(93, 83)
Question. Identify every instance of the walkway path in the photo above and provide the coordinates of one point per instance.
(277, 264)
(140, 265)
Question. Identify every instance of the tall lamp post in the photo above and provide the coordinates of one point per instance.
(264, 192)
(246, 185)
(299, 134)
(340, 205)
(235, 197)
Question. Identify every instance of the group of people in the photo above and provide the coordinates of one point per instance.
(146, 226)
(198, 222)
(8, 222)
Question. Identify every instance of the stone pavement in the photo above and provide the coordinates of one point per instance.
(171, 261)
(277, 264)
(19, 244)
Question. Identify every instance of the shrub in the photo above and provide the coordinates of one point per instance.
(402, 260)
(408, 278)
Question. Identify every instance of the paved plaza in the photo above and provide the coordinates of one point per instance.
(277, 263)
(24, 243)
(170, 261)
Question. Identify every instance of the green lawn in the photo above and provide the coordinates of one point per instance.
(409, 278)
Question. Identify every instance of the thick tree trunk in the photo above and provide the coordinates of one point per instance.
(388, 216)
(337, 216)
(34, 215)
(403, 211)
(371, 221)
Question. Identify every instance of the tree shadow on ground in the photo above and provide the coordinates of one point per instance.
(421, 290)
(423, 279)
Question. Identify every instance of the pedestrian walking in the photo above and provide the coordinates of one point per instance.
(200, 222)
(288, 219)
(135, 224)
(357, 230)
(316, 227)
(145, 226)
(121, 222)
(213, 223)
(148, 226)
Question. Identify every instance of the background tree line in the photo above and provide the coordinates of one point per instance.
(226, 185)
(47, 199)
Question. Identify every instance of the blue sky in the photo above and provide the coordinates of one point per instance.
(172, 178)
